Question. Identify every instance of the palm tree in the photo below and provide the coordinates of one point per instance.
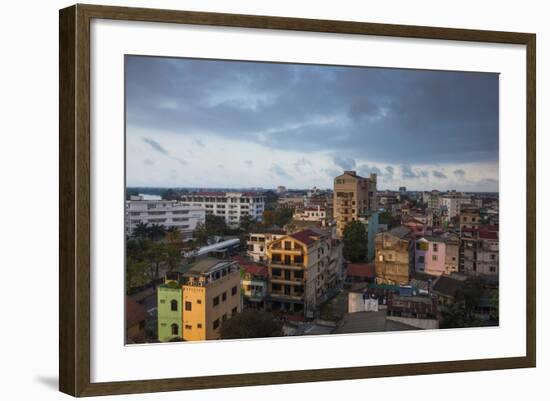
(141, 230)
(156, 232)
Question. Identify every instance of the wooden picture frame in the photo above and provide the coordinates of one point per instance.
(74, 204)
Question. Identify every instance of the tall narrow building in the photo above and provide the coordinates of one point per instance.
(354, 196)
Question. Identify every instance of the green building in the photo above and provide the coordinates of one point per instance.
(169, 296)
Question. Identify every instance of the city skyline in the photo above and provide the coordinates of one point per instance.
(267, 124)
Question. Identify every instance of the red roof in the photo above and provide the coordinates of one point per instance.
(307, 237)
(488, 234)
(361, 270)
(250, 267)
(135, 313)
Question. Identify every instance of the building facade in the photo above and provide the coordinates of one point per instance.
(393, 256)
(163, 213)
(479, 252)
(451, 204)
(211, 294)
(232, 206)
(169, 308)
(256, 244)
(354, 196)
(430, 255)
(302, 268)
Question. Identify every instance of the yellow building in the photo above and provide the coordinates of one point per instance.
(302, 268)
(354, 196)
(210, 294)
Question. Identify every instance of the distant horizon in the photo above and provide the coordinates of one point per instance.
(237, 189)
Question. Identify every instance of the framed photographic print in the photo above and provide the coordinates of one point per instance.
(313, 200)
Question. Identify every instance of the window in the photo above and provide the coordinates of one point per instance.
(434, 257)
(188, 305)
(234, 290)
(493, 257)
(224, 317)
(175, 329)
(188, 327)
(199, 301)
(216, 324)
(174, 305)
(234, 310)
(435, 246)
(224, 297)
(421, 259)
(199, 326)
(216, 300)
(492, 269)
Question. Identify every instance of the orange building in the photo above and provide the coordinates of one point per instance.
(210, 295)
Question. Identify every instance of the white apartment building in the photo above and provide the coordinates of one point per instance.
(452, 203)
(165, 213)
(230, 205)
(256, 244)
(311, 213)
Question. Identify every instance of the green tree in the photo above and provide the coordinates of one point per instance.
(215, 225)
(283, 215)
(200, 234)
(247, 223)
(141, 230)
(251, 324)
(156, 232)
(170, 194)
(268, 218)
(136, 273)
(355, 242)
(387, 217)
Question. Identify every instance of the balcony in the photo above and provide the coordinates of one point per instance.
(283, 280)
(279, 295)
(283, 265)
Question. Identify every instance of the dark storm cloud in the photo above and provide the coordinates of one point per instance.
(439, 174)
(459, 173)
(279, 171)
(381, 115)
(155, 145)
(346, 163)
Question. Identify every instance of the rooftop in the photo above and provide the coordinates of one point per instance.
(361, 270)
(205, 265)
(307, 237)
(249, 267)
(399, 232)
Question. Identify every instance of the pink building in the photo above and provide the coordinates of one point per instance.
(429, 255)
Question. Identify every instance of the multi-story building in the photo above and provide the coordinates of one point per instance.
(311, 213)
(210, 294)
(164, 213)
(303, 267)
(451, 204)
(257, 242)
(253, 284)
(479, 251)
(469, 217)
(232, 206)
(452, 252)
(430, 255)
(354, 196)
(393, 256)
(169, 308)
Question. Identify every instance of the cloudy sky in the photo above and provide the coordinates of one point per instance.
(205, 123)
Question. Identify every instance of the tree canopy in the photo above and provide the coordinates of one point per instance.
(355, 242)
(251, 324)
